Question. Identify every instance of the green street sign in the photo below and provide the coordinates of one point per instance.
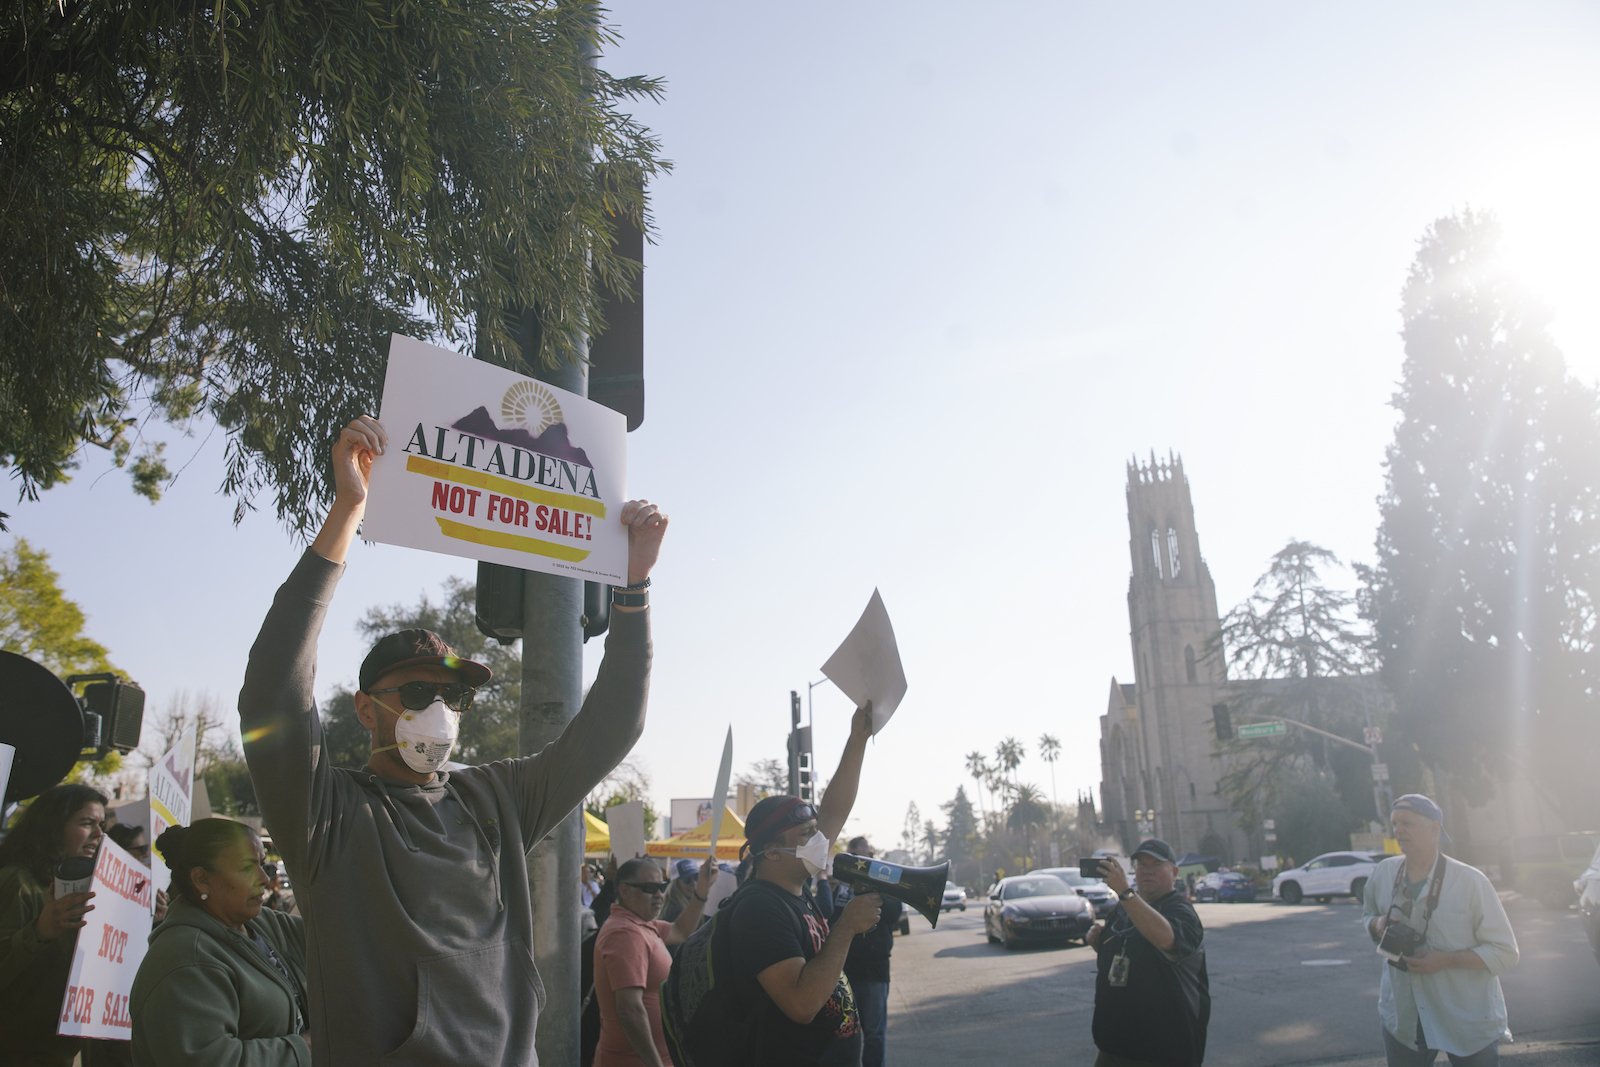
(1262, 729)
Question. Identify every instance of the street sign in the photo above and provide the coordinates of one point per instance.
(1262, 729)
(1380, 772)
(1372, 735)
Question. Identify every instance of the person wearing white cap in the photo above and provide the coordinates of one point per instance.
(1445, 939)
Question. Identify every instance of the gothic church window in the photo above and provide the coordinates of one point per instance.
(1155, 549)
(1188, 662)
(1172, 552)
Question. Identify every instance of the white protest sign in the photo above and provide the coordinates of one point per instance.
(626, 823)
(109, 949)
(490, 465)
(171, 792)
(866, 666)
(720, 792)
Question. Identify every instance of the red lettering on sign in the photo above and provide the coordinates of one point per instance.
(112, 943)
(114, 1012)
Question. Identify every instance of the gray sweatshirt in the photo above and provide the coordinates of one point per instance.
(419, 925)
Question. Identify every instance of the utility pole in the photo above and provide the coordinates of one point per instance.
(552, 690)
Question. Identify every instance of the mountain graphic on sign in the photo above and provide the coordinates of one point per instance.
(181, 775)
(553, 442)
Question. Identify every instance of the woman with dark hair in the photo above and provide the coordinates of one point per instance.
(223, 983)
(37, 929)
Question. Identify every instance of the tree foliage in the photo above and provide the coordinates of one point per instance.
(1303, 656)
(1483, 597)
(768, 777)
(217, 759)
(39, 621)
(222, 210)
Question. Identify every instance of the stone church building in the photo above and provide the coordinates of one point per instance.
(1158, 770)
(1157, 735)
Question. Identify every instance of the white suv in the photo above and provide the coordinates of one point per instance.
(1332, 874)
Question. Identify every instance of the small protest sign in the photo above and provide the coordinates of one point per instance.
(491, 465)
(171, 786)
(866, 665)
(109, 949)
(626, 822)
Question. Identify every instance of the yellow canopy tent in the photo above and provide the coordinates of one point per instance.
(596, 836)
(692, 844)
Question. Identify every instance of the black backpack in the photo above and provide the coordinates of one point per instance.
(704, 1025)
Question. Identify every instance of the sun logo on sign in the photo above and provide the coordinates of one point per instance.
(531, 405)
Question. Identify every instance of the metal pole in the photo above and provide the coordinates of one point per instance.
(552, 691)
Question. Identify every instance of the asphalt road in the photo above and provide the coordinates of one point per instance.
(1289, 986)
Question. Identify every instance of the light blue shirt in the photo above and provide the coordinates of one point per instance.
(1462, 1011)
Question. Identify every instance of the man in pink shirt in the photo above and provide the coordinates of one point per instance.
(631, 961)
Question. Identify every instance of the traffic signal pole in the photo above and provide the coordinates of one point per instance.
(552, 691)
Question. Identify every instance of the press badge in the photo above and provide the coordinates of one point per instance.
(1119, 970)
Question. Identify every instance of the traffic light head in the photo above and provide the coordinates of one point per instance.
(1222, 719)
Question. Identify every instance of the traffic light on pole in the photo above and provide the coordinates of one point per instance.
(807, 785)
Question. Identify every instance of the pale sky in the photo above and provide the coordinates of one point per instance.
(927, 276)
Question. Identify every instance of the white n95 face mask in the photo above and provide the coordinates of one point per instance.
(814, 853)
(425, 738)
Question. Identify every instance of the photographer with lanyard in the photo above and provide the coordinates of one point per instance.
(1445, 940)
(1152, 996)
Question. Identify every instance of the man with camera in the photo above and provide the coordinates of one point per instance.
(1152, 996)
(1445, 938)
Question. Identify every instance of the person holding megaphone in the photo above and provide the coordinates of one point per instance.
(788, 960)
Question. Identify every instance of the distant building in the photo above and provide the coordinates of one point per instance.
(1157, 735)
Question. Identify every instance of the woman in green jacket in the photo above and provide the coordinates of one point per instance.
(37, 929)
(223, 983)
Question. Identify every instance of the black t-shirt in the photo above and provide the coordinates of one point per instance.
(1160, 1015)
(770, 925)
(869, 952)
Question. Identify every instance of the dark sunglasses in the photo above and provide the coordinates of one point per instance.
(649, 887)
(414, 696)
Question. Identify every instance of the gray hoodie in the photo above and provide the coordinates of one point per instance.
(419, 925)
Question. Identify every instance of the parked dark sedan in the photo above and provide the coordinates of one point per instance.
(1035, 907)
(1225, 888)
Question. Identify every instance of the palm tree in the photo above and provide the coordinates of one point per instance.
(1027, 811)
(978, 767)
(1008, 754)
(1050, 749)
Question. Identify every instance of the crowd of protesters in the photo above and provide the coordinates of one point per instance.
(415, 945)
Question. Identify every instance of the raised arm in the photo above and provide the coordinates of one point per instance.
(556, 780)
(277, 714)
(841, 794)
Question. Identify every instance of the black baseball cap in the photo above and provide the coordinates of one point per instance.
(410, 647)
(1157, 848)
(772, 816)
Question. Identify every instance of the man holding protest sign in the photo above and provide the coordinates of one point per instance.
(413, 881)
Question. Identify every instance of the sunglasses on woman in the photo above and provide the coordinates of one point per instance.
(414, 696)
